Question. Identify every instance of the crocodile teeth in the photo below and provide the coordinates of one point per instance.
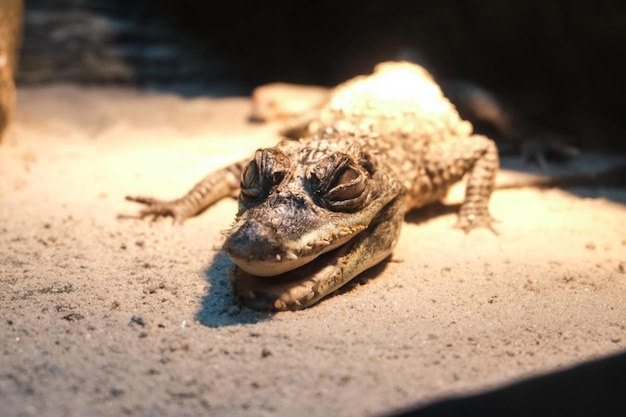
(291, 256)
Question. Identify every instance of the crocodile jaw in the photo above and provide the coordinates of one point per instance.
(285, 260)
(264, 249)
(292, 290)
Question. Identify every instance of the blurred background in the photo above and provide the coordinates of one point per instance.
(559, 63)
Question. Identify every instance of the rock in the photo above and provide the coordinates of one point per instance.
(10, 36)
(116, 42)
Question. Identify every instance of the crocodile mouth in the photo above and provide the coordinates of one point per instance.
(294, 289)
(278, 271)
(269, 262)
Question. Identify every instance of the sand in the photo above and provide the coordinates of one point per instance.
(101, 316)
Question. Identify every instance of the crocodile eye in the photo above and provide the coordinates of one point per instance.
(265, 171)
(251, 181)
(339, 184)
(348, 185)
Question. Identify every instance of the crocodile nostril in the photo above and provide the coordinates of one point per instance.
(252, 237)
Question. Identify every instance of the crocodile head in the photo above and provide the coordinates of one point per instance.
(299, 212)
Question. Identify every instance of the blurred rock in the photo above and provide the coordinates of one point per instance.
(276, 101)
(10, 36)
(116, 42)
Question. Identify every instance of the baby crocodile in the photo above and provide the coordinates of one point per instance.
(317, 211)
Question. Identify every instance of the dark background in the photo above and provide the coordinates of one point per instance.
(559, 63)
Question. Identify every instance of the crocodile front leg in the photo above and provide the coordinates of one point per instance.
(475, 156)
(308, 284)
(482, 162)
(215, 186)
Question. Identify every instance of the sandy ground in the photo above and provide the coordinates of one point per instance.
(109, 317)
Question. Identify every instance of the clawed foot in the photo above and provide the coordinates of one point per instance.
(470, 221)
(156, 209)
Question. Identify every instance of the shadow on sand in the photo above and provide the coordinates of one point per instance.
(592, 389)
(218, 307)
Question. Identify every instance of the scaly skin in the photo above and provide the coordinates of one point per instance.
(316, 212)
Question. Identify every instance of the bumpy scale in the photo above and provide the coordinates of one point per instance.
(316, 212)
